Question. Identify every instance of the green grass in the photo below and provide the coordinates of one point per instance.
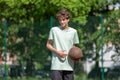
(81, 77)
(31, 78)
(24, 78)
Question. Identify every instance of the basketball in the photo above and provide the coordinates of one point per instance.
(75, 53)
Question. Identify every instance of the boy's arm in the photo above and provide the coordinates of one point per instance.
(50, 47)
(61, 53)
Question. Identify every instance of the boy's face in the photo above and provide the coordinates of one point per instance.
(63, 22)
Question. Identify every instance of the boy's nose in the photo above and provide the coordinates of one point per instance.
(62, 21)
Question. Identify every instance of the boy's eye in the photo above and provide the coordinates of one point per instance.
(62, 19)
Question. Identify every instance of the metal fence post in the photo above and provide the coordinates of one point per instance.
(51, 20)
(5, 47)
(102, 71)
(51, 25)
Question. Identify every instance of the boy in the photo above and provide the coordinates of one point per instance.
(61, 39)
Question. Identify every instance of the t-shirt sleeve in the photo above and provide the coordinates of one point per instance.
(76, 39)
(50, 34)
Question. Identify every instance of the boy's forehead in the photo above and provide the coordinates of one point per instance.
(62, 17)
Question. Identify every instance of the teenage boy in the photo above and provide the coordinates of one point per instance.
(61, 39)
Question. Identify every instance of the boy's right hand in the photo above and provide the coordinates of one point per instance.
(62, 53)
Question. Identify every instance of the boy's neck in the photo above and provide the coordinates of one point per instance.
(66, 27)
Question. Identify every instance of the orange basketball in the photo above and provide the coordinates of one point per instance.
(75, 53)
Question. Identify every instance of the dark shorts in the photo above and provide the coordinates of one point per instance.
(62, 75)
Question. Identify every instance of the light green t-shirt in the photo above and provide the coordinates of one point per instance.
(62, 40)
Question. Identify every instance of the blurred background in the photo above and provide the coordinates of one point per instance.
(24, 29)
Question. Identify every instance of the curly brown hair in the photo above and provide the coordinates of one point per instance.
(63, 13)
